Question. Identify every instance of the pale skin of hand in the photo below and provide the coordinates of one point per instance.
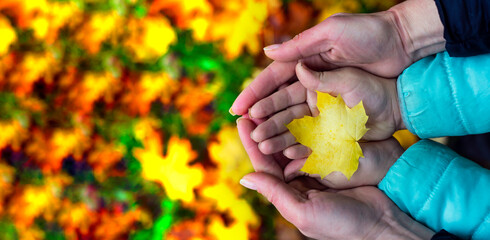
(321, 213)
(383, 43)
(357, 213)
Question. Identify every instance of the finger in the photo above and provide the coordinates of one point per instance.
(292, 170)
(311, 100)
(277, 143)
(260, 162)
(289, 96)
(285, 85)
(287, 200)
(276, 74)
(339, 81)
(277, 123)
(308, 43)
(315, 81)
(297, 151)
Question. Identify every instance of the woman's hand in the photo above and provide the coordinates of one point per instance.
(358, 213)
(383, 43)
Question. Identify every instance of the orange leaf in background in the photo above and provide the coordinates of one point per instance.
(32, 68)
(49, 150)
(149, 38)
(32, 232)
(7, 178)
(187, 230)
(32, 201)
(98, 28)
(23, 11)
(91, 88)
(33, 104)
(12, 133)
(75, 217)
(104, 156)
(8, 35)
(114, 225)
(148, 88)
(7, 63)
(229, 155)
(191, 102)
(172, 171)
(181, 11)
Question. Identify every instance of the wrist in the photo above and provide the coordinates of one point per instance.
(395, 105)
(420, 28)
(395, 224)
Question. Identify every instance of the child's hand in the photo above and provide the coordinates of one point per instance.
(379, 97)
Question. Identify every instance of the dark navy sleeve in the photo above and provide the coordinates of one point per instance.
(443, 235)
(466, 26)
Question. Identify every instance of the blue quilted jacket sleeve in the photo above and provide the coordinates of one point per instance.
(443, 96)
(441, 189)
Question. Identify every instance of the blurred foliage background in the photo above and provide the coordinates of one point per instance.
(114, 118)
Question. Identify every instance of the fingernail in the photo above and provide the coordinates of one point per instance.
(272, 47)
(250, 113)
(231, 112)
(252, 135)
(250, 185)
(238, 119)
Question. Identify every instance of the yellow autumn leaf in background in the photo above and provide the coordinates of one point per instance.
(149, 37)
(173, 170)
(230, 156)
(12, 134)
(332, 136)
(46, 25)
(240, 25)
(8, 35)
(227, 198)
(236, 230)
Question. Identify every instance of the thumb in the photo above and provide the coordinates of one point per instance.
(305, 44)
(285, 198)
(316, 81)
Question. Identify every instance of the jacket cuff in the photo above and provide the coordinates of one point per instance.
(426, 100)
(440, 189)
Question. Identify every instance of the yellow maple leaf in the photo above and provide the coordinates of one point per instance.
(332, 136)
(172, 171)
